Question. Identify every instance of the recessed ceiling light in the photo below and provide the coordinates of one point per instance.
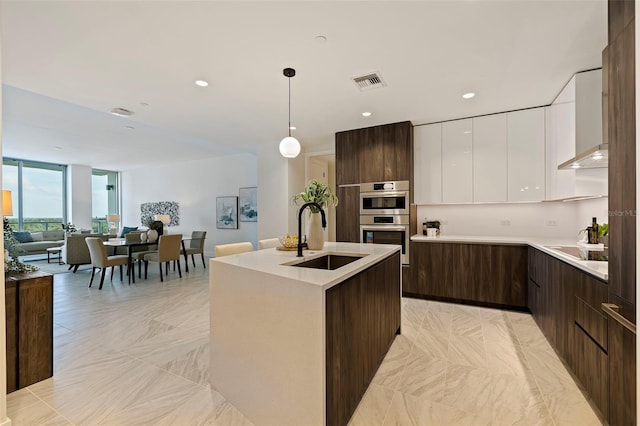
(130, 127)
(575, 166)
(57, 148)
(466, 132)
(121, 112)
(292, 127)
(144, 104)
(468, 95)
(597, 156)
(366, 114)
(202, 83)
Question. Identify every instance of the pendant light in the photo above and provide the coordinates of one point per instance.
(289, 146)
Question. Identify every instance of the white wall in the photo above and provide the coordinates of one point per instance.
(525, 220)
(195, 186)
(588, 209)
(553, 219)
(79, 201)
(278, 180)
(296, 168)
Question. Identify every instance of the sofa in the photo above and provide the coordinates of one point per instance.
(38, 242)
(75, 251)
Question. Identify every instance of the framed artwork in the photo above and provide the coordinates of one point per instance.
(227, 212)
(248, 204)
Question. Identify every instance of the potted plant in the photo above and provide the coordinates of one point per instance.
(69, 228)
(12, 251)
(321, 193)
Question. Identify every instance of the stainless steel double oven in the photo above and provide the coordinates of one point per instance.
(384, 214)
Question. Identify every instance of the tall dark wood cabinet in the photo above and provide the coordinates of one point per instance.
(373, 154)
(29, 324)
(620, 61)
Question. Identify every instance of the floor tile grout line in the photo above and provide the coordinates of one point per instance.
(535, 378)
(49, 406)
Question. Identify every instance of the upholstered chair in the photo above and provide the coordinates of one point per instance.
(75, 251)
(100, 259)
(168, 250)
(196, 245)
(235, 248)
(268, 243)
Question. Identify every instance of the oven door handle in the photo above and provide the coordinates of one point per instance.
(383, 194)
(382, 228)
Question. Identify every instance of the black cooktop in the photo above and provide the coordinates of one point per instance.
(584, 254)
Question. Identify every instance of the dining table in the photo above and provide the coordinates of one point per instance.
(122, 242)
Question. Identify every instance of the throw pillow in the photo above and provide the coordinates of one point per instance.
(23, 236)
(37, 236)
(126, 230)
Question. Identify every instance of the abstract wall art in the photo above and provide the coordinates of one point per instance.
(248, 202)
(227, 212)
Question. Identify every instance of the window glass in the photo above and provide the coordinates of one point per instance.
(104, 194)
(37, 192)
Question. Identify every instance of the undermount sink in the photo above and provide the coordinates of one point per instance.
(328, 261)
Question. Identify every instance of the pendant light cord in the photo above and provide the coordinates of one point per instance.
(289, 78)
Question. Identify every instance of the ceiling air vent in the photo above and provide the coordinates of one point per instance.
(369, 81)
(122, 112)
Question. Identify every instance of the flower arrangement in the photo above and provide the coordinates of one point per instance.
(318, 192)
(12, 251)
(69, 227)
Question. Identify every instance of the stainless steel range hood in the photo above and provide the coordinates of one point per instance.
(582, 101)
(596, 157)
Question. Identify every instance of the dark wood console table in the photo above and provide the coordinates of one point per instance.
(29, 312)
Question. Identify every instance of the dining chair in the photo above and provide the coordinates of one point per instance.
(168, 250)
(196, 245)
(268, 243)
(100, 259)
(235, 248)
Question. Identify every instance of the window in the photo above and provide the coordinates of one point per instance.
(104, 189)
(38, 192)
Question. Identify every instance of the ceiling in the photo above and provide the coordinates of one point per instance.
(66, 64)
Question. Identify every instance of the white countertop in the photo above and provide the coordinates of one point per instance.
(275, 262)
(596, 268)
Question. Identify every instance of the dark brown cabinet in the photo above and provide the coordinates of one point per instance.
(622, 173)
(565, 302)
(488, 274)
(29, 327)
(363, 317)
(619, 80)
(375, 154)
(372, 154)
(347, 214)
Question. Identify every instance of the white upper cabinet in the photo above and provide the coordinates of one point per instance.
(457, 161)
(490, 158)
(427, 164)
(526, 155)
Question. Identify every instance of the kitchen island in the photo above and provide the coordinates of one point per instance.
(295, 345)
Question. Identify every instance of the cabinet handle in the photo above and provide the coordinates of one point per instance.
(348, 185)
(612, 311)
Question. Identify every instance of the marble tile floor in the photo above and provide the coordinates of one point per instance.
(138, 355)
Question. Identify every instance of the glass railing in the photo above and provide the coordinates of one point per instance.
(99, 226)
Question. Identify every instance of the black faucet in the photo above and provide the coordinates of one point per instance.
(324, 223)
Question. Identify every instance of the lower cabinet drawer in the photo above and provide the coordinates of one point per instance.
(591, 366)
(592, 322)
